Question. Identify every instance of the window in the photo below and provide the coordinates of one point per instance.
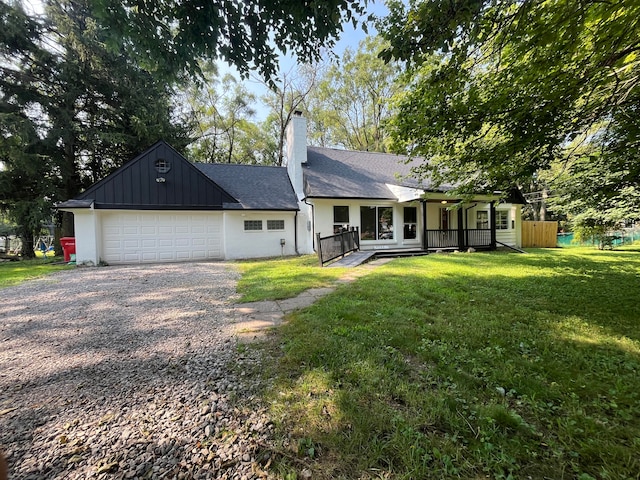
(410, 222)
(444, 219)
(162, 165)
(340, 219)
(376, 223)
(482, 219)
(502, 219)
(275, 225)
(252, 225)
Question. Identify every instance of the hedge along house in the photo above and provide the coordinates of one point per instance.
(159, 207)
(377, 194)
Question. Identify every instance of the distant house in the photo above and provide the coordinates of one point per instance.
(160, 207)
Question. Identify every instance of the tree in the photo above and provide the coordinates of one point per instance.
(287, 95)
(222, 109)
(26, 179)
(351, 103)
(78, 110)
(172, 35)
(500, 89)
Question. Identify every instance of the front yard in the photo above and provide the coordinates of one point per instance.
(14, 273)
(466, 366)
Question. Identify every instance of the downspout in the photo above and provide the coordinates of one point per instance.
(295, 233)
(313, 223)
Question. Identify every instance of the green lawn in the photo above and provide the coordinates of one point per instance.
(465, 366)
(13, 273)
(283, 278)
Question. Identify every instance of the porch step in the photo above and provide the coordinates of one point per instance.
(399, 253)
(353, 259)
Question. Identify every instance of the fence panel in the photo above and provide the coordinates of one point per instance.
(479, 237)
(334, 246)
(442, 238)
(539, 234)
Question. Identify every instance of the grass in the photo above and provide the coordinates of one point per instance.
(465, 366)
(276, 279)
(13, 273)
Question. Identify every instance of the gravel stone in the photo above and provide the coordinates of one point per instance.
(129, 372)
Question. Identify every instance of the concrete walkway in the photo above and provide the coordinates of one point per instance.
(256, 318)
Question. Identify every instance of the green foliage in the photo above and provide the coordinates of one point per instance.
(70, 111)
(222, 109)
(467, 366)
(170, 35)
(500, 89)
(350, 104)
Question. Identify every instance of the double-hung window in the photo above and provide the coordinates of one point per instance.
(410, 222)
(340, 219)
(502, 219)
(482, 220)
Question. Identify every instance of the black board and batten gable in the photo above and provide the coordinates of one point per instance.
(158, 179)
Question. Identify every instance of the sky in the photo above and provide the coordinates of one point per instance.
(349, 38)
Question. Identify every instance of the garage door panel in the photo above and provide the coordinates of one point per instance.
(131, 237)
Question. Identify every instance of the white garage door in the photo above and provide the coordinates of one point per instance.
(139, 237)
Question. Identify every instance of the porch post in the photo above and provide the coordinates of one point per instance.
(461, 242)
(425, 241)
(492, 223)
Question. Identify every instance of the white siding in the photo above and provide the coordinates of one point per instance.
(256, 244)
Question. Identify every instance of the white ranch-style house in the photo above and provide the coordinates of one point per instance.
(159, 207)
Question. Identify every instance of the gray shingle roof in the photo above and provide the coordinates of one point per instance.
(256, 187)
(333, 173)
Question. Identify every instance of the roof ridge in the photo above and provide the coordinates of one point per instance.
(237, 164)
(370, 152)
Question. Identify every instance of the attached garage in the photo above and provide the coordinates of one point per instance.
(141, 237)
(160, 207)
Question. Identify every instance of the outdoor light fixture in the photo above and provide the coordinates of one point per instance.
(161, 180)
(444, 202)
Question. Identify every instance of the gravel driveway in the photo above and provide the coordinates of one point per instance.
(128, 372)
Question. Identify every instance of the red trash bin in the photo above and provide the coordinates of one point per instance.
(68, 247)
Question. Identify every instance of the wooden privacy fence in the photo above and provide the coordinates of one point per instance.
(540, 234)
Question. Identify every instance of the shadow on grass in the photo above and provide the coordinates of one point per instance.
(470, 365)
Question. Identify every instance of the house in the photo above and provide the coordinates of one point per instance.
(161, 207)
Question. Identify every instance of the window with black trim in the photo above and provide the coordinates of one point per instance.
(275, 224)
(376, 223)
(502, 220)
(252, 225)
(340, 218)
(482, 219)
(410, 222)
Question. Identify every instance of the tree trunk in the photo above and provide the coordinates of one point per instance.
(27, 251)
